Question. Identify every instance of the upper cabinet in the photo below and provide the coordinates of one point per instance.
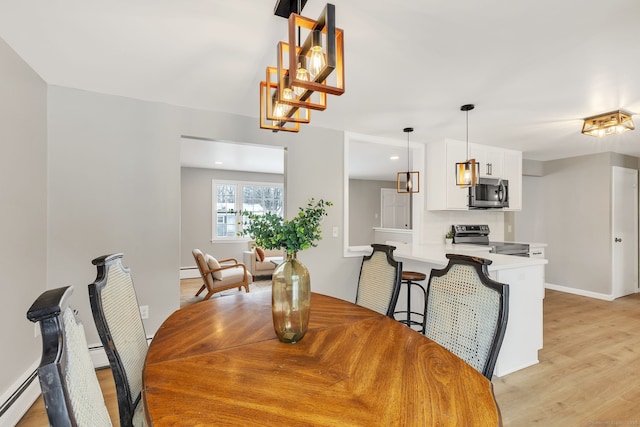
(495, 162)
(442, 192)
(491, 160)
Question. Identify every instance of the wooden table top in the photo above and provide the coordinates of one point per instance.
(219, 362)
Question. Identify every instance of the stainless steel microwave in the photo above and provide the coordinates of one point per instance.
(490, 193)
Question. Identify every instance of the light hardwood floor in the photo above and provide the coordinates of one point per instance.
(588, 375)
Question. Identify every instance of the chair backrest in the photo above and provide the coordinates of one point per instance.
(70, 388)
(379, 282)
(117, 316)
(203, 267)
(467, 311)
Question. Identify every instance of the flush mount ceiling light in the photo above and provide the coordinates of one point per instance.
(612, 123)
(467, 172)
(308, 69)
(409, 181)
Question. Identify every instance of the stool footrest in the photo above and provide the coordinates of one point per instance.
(408, 278)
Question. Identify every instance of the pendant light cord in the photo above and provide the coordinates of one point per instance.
(299, 11)
(467, 134)
(408, 131)
(466, 108)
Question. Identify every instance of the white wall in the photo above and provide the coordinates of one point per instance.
(23, 197)
(569, 208)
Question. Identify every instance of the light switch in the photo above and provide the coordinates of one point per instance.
(335, 231)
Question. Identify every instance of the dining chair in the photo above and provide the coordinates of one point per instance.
(220, 275)
(117, 317)
(379, 281)
(70, 387)
(467, 311)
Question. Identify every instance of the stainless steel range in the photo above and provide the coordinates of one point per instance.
(479, 235)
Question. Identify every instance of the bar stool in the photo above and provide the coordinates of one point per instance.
(411, 279)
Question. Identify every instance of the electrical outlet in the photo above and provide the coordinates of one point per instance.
(144, 311)
(36, 331)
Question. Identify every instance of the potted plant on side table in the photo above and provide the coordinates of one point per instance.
(291, 286)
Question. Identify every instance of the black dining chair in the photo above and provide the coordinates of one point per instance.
(117, 317)
(467, 311)
(379, 281)
(70, 388)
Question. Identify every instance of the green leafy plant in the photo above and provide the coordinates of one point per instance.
(271, 231)
(449, 235)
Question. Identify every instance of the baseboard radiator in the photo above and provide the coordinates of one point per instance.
(16, 403)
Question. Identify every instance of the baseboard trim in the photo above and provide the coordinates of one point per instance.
(501, 373)
(18, 399)
(581, 292)
(98, 357)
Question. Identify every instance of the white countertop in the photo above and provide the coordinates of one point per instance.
(435, 254)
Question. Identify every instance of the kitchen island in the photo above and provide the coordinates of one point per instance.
(525, 277)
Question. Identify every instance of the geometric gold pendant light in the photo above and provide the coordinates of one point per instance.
(612, 123)
(409, 181)
(322, 52)
(467, 173)
(308, 69)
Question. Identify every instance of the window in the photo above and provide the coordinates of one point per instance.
(230, 197)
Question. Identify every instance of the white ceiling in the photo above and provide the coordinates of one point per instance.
(534, 69)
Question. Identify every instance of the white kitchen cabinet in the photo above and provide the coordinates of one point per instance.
(491, 160)
(513, 173)
(442, 191)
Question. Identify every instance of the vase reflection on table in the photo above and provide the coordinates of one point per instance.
(291, 300)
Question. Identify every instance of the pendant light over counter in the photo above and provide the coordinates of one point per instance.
(409, 181)
(467, 172)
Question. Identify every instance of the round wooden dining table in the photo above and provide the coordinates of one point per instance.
(219, 362)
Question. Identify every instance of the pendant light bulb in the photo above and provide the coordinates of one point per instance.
(301, 74)
(317, 60)
(287, 93)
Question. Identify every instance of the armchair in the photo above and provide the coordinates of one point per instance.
(220, 275)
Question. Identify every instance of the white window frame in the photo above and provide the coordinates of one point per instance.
(238, 203)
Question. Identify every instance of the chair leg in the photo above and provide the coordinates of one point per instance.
(201, 289)
(207, 296)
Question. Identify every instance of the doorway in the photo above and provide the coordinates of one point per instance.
(624, 231)
(395, 209)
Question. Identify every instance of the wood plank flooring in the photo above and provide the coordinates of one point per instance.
(589, 370)
(588, 375)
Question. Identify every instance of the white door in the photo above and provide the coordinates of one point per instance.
(624, 231)
(395, 209)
